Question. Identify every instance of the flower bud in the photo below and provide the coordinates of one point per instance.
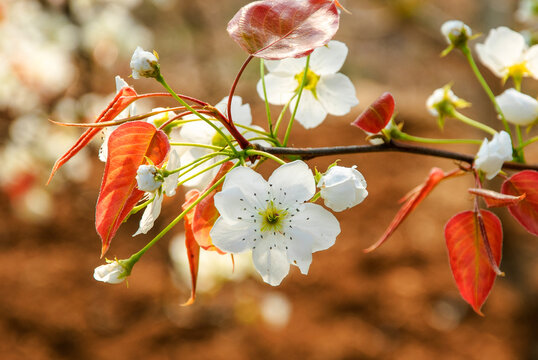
(112, 273)
(456, 33)
(493, 154)
(518, 108)
(342, 188)
(144, 64)
(145, 178)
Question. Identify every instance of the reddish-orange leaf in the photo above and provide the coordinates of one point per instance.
(526, 211)
(122, 99)
(193, 249)
(495, 199)
(279, 29)
(205, 213)
(411, 201)
(377, 115)
(128, 147)
(468, 255)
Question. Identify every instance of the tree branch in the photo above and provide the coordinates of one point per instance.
(310, 153)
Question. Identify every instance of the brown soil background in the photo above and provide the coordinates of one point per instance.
(398, 303)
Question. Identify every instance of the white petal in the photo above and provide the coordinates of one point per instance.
(336, 93)
(320, 223)
(170, 182)
(151, 213)
(237, 207)
(296, 181)
(271, 262)
(197, 132)
(328, 59)
(503, 48)
(299, 249)
(231, 237)
(290, 66)
(250, 182)
(518, 108)
(280, 88)
(310, 112)
(241, 113)
(532, 60)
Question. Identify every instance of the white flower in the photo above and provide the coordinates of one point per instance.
(342, 188)
(272, 218)
(151, 213)
(112, 273)
(170, 182)
(325, 91)
(442, 101)
(492, 155)
(454, 29)
(144, 64)
(145, 178)
(201, 133)
(506, 54)
(518, 108)
(527, 11)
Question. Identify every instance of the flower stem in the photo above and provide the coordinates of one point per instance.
(218, 163)
(205, 146)
(281, 116)
(267, 109)
(251, 152)
(299, 93)
(234, 85)
(473, 123)
(528, 142)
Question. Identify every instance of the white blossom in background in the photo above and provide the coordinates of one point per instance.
(342, 188)
(443, 100)
(452, 30)
(201, 133)
(144, 64)
(326, 91)
(276, 309)
(272, 219)
(506, 54)
(518, 108)
(111, 273)
(492, 154)
(527, 11)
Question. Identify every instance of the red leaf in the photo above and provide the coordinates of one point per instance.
(128, 147)
(205, 213)
(279, 29)
(495, 199)
(411, 201)
(377, 115)
(122, 99)
(468, 255)
(526, 211)
(193, 249)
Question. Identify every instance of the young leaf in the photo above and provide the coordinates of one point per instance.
(411, 201)
(193, 249)
(468, 255)
(377, 115)
(526, 211)
(128, 147)
(279, 29)
(205, 213)
(122, 99)
(495, 199)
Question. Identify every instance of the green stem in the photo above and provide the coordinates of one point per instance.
(473, 123)
(407, 137)
(485, 86)
(520, 154)
(281, 115)
(205, 146)
(199, 161)
(218, 163)
(163, 82)
(299, 92)
(135, 257)
(528, 142)
(254, 130)
(267, 109)
(250, 152)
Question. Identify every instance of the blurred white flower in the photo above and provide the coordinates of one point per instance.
(454, 30)
(111, 273)
(518, 108)
(506, 54)
(146, 178)
(527, 11)
(272, 218)
(492, 154)
(144, 64)
(276, 310)
(326, 91)
(342, 188)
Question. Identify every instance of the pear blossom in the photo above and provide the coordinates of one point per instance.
(492, 154)
(443, 101)
(146, 178)
(455, 31)
(518, 108)
(272, 219)
(326, 91)
(527, 11)
(342, 188)
(506, 54)
(201, 133)
(144, 64)
(112, 273)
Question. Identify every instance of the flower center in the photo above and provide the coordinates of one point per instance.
(518, 71)
(311, 80)
(272, 218)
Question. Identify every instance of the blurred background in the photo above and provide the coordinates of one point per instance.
(58, 60)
